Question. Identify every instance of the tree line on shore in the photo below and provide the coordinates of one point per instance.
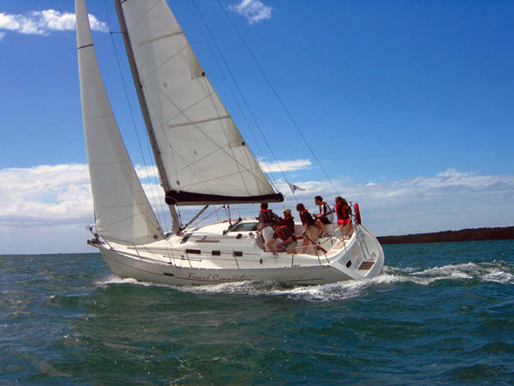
(477, 234)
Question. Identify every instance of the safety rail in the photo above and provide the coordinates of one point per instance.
(362, 243)
(143, 252)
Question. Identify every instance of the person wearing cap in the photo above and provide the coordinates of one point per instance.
(288, 219)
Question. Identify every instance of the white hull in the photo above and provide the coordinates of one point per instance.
(202, 159)
(207, 256)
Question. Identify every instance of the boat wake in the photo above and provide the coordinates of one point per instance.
(498, 272)
(495, 272)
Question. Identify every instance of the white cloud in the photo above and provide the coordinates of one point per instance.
(284, 166)
(45, 208)
(253, 10)
(145, 172)
(49, 193)
(44, 22)
(451, 172)
(448, 201)
(2, 34)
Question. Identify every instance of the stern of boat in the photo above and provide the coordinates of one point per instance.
(361, 256)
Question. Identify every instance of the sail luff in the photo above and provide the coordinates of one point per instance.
(206, 159)
(122, 211)
(146, 115)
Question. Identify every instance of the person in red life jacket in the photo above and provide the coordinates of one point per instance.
(288, 242)
(326, 214)
(309, 225)
(288, 220)
(266, 218)
(343, 212)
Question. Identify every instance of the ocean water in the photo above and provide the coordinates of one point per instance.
(440, 314)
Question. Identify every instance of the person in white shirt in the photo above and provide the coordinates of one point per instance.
(325, 215)
(266, 218)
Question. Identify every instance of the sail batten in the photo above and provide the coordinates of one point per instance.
(122, 211)
(206, 120)
(203, 155)
(161, 37)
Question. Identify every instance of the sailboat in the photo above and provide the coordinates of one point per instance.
(202, 160)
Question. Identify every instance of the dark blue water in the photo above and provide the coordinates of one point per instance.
(440, 314)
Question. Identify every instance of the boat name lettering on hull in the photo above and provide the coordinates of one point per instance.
(217, 278)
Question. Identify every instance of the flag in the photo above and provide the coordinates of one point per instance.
(294, 188)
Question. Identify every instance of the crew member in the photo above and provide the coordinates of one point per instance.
(288, 220)
(288, 243)
(266, 217)
(326, 214)
(343, 212)
(309, 225)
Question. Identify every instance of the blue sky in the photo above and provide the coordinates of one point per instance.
(409, 106)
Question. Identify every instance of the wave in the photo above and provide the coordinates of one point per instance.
(322, 292)
(115, 279)
(495, 272)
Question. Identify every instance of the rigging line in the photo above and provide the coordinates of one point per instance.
(278, 96)
(224, 129)
(240, 91)
(162, 126)
(247, 151)
(230, 88)
(158, 203)
(169, 144)
(200, 220)
(243, 115)
(173, 152)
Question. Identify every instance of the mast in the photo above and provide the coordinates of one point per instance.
(146, 114)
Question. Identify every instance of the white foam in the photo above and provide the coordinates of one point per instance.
(448, 270)
(114, 279)
(501, 277)
(490, 272)
(317, 293)
(460, 275)
(495, 271)
(324, 292)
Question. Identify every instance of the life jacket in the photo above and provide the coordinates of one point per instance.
(280, 232)
(289, 222)
(326, 211)
(269, 215)
(343, 211)
(307, 219)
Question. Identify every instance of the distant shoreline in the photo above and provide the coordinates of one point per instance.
(476, 234)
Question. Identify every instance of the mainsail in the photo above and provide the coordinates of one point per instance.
(122, 211)
(202, 156)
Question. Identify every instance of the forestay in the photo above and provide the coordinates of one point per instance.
(122, 211)
(204, 157)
